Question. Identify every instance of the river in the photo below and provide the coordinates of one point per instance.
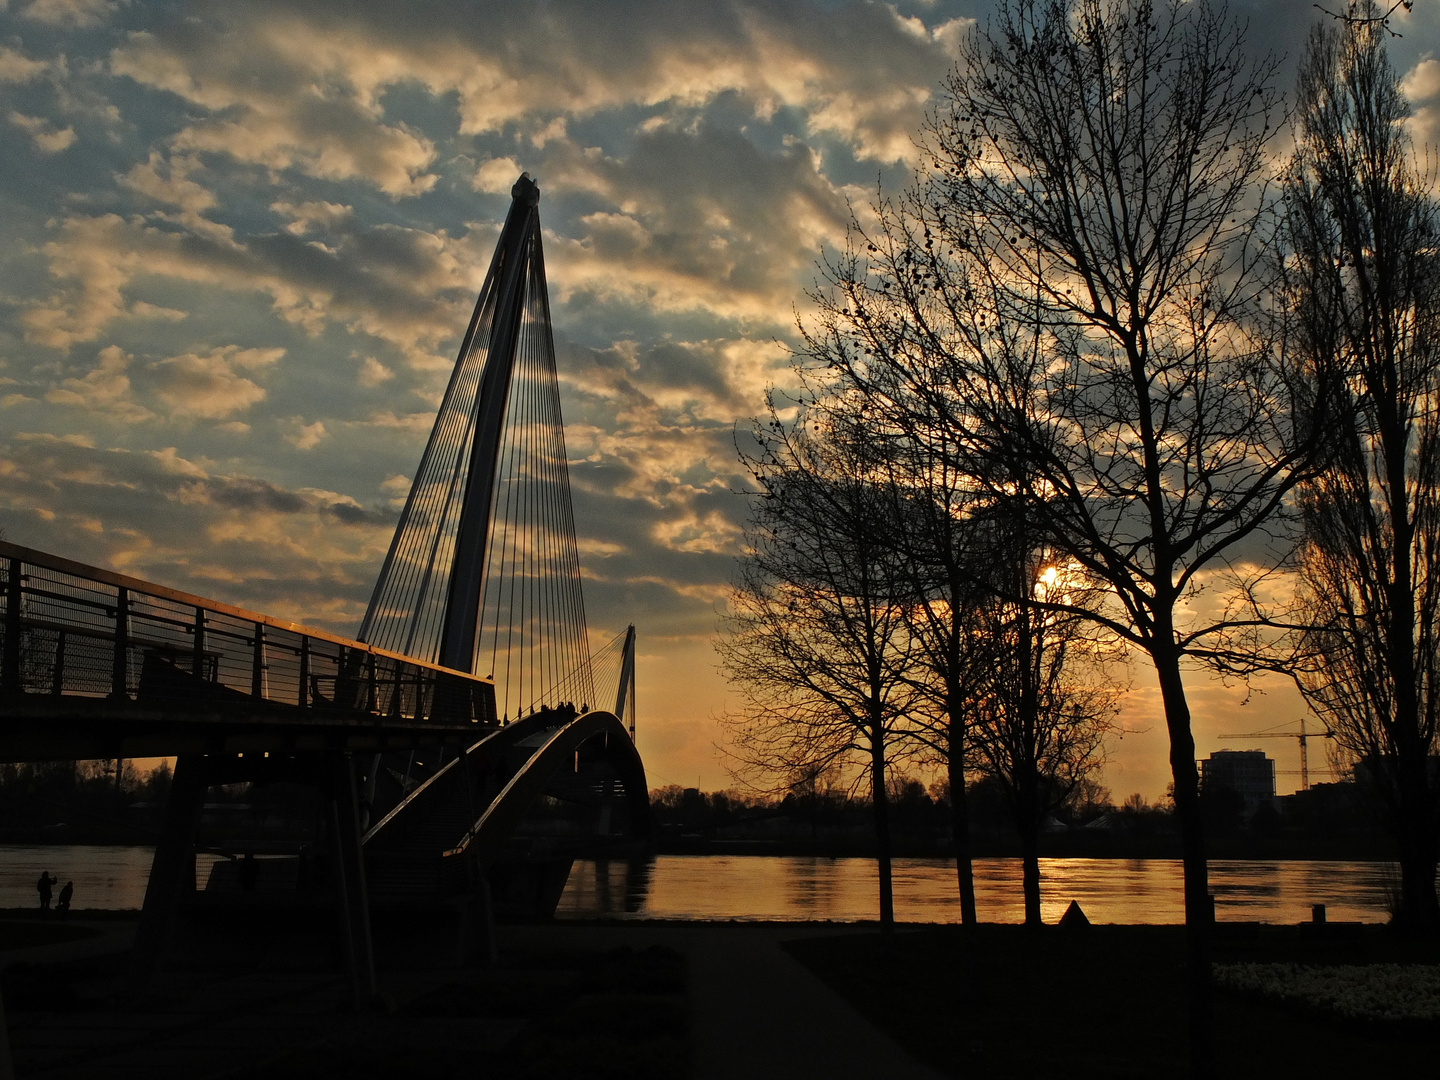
(843, 890)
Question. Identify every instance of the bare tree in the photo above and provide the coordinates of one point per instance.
(1047, 705)
(940, 547)
(1074, 286)
(1003, 672)
(816, 626)
(1362, 278)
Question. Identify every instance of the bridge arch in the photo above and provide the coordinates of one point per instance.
(605, 736)
(455, 834)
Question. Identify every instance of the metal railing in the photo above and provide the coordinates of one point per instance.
(71, 630)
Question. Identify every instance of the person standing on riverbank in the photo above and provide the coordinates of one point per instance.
(43, 887)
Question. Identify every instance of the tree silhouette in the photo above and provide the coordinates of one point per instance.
(1362, 283)
(1047, 705)
(1074, 290)
(816, 625)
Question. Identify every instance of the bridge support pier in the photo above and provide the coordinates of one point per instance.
(353, 896)
(172, 871)
(475, 946)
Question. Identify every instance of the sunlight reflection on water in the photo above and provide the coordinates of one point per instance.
(844, 890)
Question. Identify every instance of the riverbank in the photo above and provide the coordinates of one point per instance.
(717, 999)
(1108, 1001)
(654, 1002)
(860, 844)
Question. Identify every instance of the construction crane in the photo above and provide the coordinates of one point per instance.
(1301, 736)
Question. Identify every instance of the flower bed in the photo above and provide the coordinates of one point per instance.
(1372, 993)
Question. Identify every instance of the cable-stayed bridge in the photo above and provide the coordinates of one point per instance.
(460, 749)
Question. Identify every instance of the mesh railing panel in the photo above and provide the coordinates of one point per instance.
(63, 633)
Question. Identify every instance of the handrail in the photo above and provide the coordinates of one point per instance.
(9, 550)
(75, 630)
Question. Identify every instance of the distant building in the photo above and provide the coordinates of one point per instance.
(1329, 808)
(1248, 773)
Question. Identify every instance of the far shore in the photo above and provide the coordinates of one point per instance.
(1056, 846)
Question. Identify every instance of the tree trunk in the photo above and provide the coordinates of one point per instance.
(1199, 911)
(1415, 831)
(1030, 853)
(1419, 910)
(881, 808)
(960, 827)
(1027, 822)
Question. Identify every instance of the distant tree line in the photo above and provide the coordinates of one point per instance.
(87, 798)
(109, 801)
(1329, 821)
(917, 808)
(1107, 378)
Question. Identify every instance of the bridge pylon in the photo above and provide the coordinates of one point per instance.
(483, 572)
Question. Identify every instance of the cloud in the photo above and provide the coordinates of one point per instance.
(1422, 82)
(702, 219)
(105, 389)
(401, 285)
(47, 139)
(675, 382)
(95, 258)
(303, 113)
(308, 217)
(497, 176)
(373, 373)
(166, 181)
(290, 87)
(713, 532)
(16, 67)
(211, 386)
(301, 435)
(302, 553)
(73, 14)
(416, 423)
(1421, 86)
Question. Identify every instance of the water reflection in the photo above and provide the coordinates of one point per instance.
(104, 877)
(761, 887)
(1110, 890)
(614, 886)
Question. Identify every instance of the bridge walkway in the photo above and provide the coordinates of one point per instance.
(95, 664)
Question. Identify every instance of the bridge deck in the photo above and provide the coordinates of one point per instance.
(98, 664)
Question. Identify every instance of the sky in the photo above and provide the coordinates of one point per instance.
(239, 243)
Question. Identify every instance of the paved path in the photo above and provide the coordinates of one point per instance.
(755, 1012)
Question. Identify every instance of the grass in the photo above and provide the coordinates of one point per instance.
(1108, 1001)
